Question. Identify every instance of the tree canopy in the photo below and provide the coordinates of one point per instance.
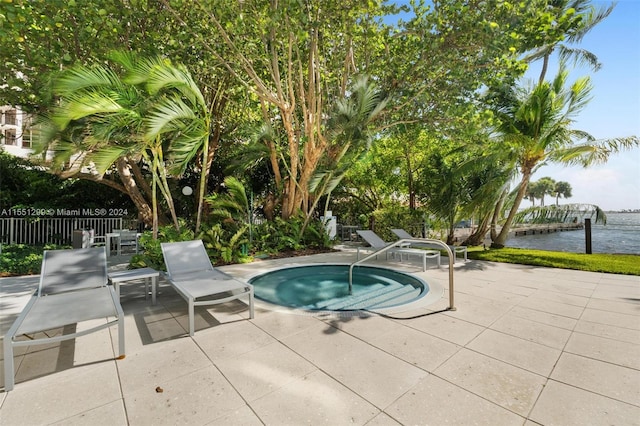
(313, 100)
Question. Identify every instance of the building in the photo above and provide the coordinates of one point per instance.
(16, 131)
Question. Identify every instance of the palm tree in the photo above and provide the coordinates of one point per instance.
(533, 192)
(574, 19)
(562, 189)
(153, 111)
(350, 130)
(534, 124)
(545, 187)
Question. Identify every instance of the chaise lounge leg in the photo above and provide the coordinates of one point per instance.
(251, 304)
(192, 321)
(9, 379)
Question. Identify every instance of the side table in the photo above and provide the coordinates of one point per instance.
(148, 274)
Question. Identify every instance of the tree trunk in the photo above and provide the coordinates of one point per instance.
(500, 241)
(144, 209)
(477, 238)
(496, 214)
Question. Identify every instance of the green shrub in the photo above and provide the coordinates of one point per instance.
(150, 251)
(281, 235)
(22, 259)
(396, 216)
(226, 244)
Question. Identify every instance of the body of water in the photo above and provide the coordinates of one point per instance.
(621, 234)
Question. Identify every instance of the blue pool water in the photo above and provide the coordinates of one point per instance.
(326, 287)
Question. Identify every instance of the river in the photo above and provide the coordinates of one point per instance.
(621, 234)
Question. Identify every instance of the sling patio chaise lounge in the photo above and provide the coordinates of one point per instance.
(72, 289)
(190, 272)
(402, 234)
(377, 243)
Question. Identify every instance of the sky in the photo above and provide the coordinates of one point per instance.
(613, 112)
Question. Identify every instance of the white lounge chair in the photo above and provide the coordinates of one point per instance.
(190, 272)
(73, 288)
(402, 234)
(377, 243)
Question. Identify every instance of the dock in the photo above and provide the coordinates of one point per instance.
(546, 228)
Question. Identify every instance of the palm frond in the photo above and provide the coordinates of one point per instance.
(103, 159)
(169, 115)
(81, 78)
(566, 213)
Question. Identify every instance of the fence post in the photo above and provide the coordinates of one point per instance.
(11, 230)
(587, 235)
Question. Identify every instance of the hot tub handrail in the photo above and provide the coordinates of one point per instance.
(403, 242)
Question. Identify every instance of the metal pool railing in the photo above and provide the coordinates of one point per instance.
(406, 241)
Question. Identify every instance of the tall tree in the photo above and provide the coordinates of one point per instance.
(564, 23)
(535, 125)
(562, 189)
(546, 186)
(151, 109)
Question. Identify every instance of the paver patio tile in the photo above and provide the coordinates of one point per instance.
(510, 387)
(365, 327)
(370, 372)
(287, 368)
(522, 353)
(621, 307)
(533, 331)
(62, 395)
(561, 404)
(563, 281)
(568, 299)
(608, 331)
(487, 291)
(383, 419)
(600, 348)
(445, 327)
(556, 308)
(622, 320)
(315, 399)
(264, 370)
(600, 377)
(415, 347)
(617, 293)
(197, 398)
(560, 286)
(615, 279)
(243, 416)
(437, 402)
(543, 317)
(283, 324)
(232, 339)
(478, 310)
(107, 415)
(160, 363)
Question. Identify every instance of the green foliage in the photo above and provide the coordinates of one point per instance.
(27, 185)
(560, 214)
(627, 264)
(397, 216)
(281, 235)
(22, 259)
(150, 251)
(226, 246)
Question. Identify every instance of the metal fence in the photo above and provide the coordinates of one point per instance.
(48, 230)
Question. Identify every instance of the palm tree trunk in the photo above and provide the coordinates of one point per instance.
(477, 238)
(145, 211)
(501, 239)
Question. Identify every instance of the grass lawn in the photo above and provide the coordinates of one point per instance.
(627, 264)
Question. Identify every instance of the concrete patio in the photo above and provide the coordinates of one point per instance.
(526, 346)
